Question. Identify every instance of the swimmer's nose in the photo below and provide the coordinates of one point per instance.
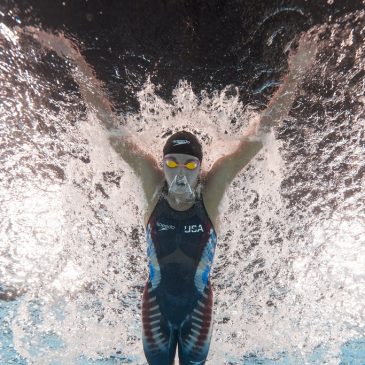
(180, 172)
(180, 177)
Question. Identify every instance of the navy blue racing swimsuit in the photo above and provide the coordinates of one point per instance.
(177, 299)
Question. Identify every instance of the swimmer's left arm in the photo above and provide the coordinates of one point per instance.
(226, 168)
(282, 101)
(224, 171)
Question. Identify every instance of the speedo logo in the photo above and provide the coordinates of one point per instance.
(164, 227)
(178, 142)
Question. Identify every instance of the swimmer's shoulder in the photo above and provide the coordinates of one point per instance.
(209, 206)
(212, 213)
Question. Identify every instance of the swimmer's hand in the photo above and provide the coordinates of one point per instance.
(91, 88)
(304, 57)
(58, 43)
(299, 63)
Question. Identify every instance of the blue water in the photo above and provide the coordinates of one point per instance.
(352, 353)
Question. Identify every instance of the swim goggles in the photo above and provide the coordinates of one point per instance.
(191, 165)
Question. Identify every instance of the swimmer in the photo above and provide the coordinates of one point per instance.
(182, 214)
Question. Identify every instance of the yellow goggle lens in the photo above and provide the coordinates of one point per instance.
(189, 165)
(171, 163)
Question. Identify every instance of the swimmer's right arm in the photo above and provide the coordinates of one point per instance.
(91, 88)
(143, 164)
(92, 91)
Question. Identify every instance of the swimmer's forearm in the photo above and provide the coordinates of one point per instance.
(280, 105)
(92, 90)
(93, 94)
(122, 141)
(276, 111)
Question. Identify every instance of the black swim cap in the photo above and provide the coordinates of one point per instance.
(183, 142)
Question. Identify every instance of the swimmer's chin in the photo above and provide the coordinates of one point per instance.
(182, 196)
(179, 190)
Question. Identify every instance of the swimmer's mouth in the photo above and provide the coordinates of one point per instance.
(181, 181)
(180, 186)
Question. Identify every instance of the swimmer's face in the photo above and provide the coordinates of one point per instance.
(181, 170)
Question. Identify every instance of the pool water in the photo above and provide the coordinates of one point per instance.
(289, 272)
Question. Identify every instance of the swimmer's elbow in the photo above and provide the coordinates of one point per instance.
(249, 148)
(116, 142)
